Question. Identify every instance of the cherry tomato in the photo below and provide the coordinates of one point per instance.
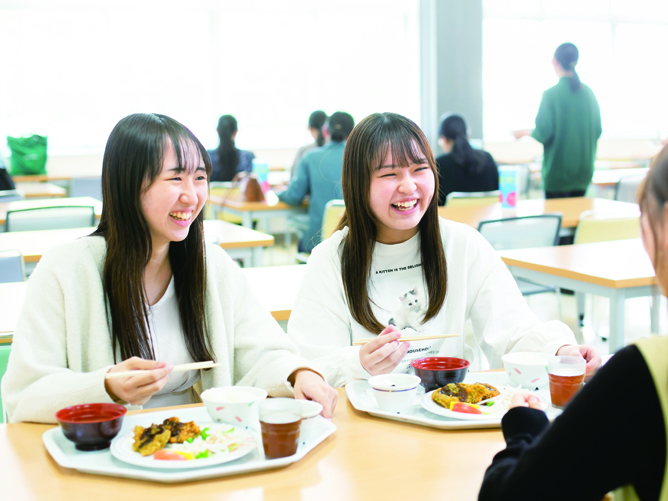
(466, 408)
(166, 455)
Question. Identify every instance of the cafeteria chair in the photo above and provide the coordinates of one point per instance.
(86, 187)
(524, 233)
(626, 188)
(334, 210)
(50, 218)
(224, 190)
(4, 358)
(593, 228)
(463, 198)
(10, 195)
(12, 267)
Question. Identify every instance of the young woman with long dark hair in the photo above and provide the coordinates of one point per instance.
(144, 292)
(568, 124)
(462, 168)
(394, 266)
(316, 127)
(227, 160)
(616, 425)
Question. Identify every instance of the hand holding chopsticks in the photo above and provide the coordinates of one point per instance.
(361, 342)
(177, 368)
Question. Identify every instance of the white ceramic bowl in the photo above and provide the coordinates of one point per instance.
(528, 369)
(310, 411)
(234, 405)
(394, 392)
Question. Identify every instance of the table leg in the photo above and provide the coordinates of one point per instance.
(256, 257)
(247, 220)
(617, 303)
(656, 305)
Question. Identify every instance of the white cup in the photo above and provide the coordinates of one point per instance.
(236, 405)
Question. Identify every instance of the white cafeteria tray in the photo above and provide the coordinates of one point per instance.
(361, 397)
(103, 463)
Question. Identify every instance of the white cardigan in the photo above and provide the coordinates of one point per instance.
(479, 288)
(62, 344)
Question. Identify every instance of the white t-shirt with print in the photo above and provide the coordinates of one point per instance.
(479, 288)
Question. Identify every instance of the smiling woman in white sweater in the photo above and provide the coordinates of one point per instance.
(143, 292)
(395, 268)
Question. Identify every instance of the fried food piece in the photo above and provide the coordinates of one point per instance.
(149, 440)
(180, 432)
(461, 392)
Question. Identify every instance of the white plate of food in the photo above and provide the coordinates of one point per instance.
(198, 445)
(478, 401)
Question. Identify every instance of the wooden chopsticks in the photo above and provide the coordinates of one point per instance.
(177, 368)
(360, 342)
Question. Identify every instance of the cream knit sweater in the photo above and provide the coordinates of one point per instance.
(62, 344)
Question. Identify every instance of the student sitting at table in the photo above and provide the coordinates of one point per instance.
(319, 177)
(143, 292)
(316, 127)
(227, 160)
(462, 168)
(395, 268)
(615, 428)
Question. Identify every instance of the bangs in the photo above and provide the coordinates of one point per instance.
(190, 154)
(406, 146)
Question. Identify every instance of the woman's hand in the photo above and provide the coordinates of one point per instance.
(526, 399)
(137, 390)
(384, 353)
(519, 134)
(310, 385)
(589, 353)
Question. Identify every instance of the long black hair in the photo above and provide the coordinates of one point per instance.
(453, 127)
(228, 155)
(567, 56)
(133, 159)
(366, 149)
(340, 126)
(317, 121)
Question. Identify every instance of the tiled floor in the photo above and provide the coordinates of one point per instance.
(637, 314)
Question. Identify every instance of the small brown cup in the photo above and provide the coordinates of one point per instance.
(280, 420)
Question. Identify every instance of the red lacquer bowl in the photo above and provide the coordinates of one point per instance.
(91, 426)
(436, 372)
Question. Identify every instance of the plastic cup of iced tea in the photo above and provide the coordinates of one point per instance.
(280, 419)
(566, 376)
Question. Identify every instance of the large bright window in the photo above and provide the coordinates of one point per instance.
(71, 72)
(620, 44)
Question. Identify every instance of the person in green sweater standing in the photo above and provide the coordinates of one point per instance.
(568, 124)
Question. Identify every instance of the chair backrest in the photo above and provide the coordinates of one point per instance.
(627, 187)
(334, 210)
(10, 195)
(86, 187)
(605, 227)
(460, 198)
(522, 232)
(4, 358)
(12, 268)
(50, 218)
(223, 190)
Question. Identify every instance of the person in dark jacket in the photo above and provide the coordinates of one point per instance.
(227, 160)
(462, 168)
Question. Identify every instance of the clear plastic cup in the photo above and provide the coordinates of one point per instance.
(566, 376)
(280, 419)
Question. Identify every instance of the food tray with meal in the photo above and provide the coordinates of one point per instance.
(235, 450)
(425, 410)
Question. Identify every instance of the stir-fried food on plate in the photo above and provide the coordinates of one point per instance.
(154, 438)
(180, 431)
(461, 392)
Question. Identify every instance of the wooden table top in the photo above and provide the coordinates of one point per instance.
(241, 205)
(276, 288)
(618, 264)
(34, 244)
(353, 463)
(31, 204)
(611, 177)
(41, 190)
(570, 208)
(40, 178)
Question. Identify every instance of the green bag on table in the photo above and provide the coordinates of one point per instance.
(28, 155)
